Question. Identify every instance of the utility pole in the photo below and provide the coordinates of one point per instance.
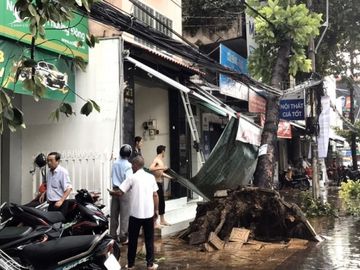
(352, 120)
(314, 145)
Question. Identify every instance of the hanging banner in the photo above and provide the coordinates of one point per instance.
(56, 72)
(324, 123)
(248, 132)
(228, 86)
(63, 38)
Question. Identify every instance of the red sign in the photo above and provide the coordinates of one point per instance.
(284, 130)
(257, 104)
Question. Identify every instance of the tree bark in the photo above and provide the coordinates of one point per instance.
(264, 212)
(264, 173)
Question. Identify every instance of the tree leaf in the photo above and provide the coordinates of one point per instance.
(8, 114)
(96, 106)
(29, 85)
(86, 5)
(41, 31)
(87, 108)
(21, 5)
(18, 118)
(80, 63)
(11, 127)
(4, 98)
(66, 108)
(32, 10)
(1, 125)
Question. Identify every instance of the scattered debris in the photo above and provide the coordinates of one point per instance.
(247, 213)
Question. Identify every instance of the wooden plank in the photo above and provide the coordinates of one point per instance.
(216, 241)
(298, 243)
(197, 238)
(239, 235)
(233, 245)
(208, 247)
(221, 193)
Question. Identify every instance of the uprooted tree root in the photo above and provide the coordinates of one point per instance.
(263, 212)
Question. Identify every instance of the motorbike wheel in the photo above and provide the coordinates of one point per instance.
(304, 186)
(93, 266)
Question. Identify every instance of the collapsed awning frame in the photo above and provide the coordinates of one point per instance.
(219, 105)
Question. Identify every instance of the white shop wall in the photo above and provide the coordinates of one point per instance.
(83, 140)
(152, 103)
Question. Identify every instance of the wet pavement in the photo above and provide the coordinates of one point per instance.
(340, 249)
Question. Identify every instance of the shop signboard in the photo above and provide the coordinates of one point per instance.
(57, 73)
(63, 38)
(292, 107)
(257, 104)
(235, 62)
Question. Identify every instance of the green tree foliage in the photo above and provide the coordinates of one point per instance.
(350, 195)
(340, 47)
(339, 50)
(315, 207)
(37, 13)
(213, 15)
(283, 30)
(347, 133)
(280, 21)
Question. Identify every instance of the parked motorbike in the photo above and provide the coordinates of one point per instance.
(299, 181)
(84, 217)
(71, 252)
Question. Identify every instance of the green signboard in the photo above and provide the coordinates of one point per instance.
(62, 38)
(56, 70)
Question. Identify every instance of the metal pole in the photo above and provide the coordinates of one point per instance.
(121, 90)
(315, 176)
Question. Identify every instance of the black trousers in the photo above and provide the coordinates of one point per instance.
(134, 229)
(160, 193)
(64, 208)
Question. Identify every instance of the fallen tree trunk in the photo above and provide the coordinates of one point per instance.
(262, 211)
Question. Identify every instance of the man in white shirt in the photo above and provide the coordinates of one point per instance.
(58, 184)
(144, 209)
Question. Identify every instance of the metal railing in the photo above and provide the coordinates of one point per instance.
(91, 171)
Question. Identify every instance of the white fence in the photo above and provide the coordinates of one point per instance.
(90, 171)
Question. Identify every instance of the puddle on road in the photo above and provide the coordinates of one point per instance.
(175, 254)
(339, 250)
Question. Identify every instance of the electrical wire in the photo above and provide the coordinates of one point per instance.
(106, 13)
(176, 3)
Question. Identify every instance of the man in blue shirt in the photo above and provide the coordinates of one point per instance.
(120, 205)
(58, 185)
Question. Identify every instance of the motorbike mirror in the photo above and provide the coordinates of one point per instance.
(40, 160)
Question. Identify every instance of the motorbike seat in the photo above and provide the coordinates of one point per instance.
(13, 233)
(52, 216)
(51, 252)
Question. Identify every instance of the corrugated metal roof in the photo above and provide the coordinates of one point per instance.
(165, 55)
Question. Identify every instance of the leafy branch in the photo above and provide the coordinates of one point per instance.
(37, 14)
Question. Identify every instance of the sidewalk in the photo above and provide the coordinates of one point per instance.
(174, 253)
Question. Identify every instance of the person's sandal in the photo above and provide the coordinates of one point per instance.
(129, 268)
(153, 267)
